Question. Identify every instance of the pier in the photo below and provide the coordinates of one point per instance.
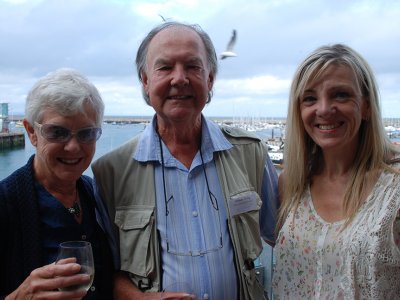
(126, 120)
(12, 140)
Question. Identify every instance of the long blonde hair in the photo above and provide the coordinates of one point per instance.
(303, 158)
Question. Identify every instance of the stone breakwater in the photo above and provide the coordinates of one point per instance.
(10, 140)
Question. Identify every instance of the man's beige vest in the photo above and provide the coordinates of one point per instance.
(127, 187)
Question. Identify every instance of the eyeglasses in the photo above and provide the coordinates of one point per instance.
(172, 249)
(58, 134)
(214, 204)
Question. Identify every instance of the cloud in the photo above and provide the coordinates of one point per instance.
(100, 39)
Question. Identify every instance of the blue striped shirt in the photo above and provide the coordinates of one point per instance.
(193, 225)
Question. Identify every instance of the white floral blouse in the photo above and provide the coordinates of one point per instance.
(314, 260)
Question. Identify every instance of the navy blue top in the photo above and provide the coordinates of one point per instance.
(59, 225)
(33, 223)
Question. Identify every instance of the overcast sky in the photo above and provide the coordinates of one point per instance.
(99, 38)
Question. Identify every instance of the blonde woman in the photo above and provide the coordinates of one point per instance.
(339, 223)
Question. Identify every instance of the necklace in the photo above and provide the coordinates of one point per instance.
(75, 209)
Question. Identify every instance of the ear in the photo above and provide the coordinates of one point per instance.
(145, 82)
(210, 82)
(30, 130)
(366, 109)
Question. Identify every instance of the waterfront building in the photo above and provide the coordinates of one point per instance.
(8, 139)
(4, 122)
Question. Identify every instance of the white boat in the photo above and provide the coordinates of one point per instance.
(276, 158)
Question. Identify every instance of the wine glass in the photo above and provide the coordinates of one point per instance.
(82, 251)
(177, 287)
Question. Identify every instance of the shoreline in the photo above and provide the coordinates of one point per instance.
(272, 120)
(147, 119)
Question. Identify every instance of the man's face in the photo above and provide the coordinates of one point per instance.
(177, 78)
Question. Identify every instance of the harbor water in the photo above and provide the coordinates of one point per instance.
(113, 136)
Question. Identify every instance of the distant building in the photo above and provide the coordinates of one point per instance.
(4, 122)
(8, 140)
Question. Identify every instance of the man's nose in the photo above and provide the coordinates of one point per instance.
(179, 76)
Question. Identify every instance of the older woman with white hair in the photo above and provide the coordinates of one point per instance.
(49, 201)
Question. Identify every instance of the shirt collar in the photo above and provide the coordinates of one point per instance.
(213, 140)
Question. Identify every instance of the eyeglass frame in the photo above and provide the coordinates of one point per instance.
(71, 133)
(213, 204)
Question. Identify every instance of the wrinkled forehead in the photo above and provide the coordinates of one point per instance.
(176, 38)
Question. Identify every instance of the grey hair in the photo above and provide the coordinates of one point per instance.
(67, 92)
(144, 47)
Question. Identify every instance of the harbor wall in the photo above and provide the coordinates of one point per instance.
(12, 140)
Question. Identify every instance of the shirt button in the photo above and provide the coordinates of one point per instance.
(195, 213)
(83, 237)
(92, 288)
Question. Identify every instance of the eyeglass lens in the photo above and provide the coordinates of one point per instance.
(172, 249)
(59, 134)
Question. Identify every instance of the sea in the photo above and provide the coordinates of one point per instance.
(114, 134)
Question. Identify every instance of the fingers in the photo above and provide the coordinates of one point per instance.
(66, 267)
(70, 282)
(177, 296)
(55, 295)
(66, 260)
(45, 282)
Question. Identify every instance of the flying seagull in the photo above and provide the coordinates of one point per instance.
(229, 49)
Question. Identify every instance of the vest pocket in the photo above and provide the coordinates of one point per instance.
(244, 209)
(254, 287)
(250, 245)
(135, 225)
(248, 229)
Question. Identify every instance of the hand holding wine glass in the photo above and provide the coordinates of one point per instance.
(81, 253)
(45, 282)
